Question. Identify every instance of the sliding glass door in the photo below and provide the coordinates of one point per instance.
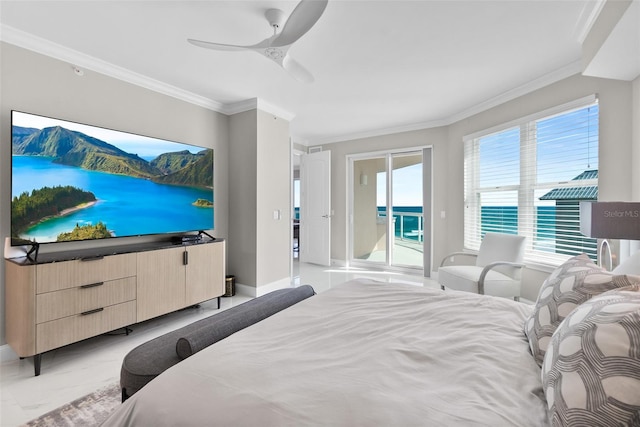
(406, 210)
(387, 218)
(369, 225)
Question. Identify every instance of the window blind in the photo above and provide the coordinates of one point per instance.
(529, 176)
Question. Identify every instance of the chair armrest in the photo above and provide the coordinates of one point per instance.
(457, 253)
(491, 266)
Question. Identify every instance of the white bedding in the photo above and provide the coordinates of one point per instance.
(362, 354)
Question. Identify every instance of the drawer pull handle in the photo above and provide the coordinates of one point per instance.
(97, 310)
(92, 285)
(92, 258)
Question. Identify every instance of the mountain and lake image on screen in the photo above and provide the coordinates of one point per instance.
(77, 182)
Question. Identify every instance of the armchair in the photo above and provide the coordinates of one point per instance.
(497, 270)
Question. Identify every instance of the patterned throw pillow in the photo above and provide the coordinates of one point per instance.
(568, 286)
(591, 372)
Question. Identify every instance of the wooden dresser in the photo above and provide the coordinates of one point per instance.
(66, 297)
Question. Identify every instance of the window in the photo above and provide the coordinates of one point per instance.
(529, 176)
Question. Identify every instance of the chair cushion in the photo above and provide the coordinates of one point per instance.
(465, 278)
(591, 371)
(568, 286)
(501, 247)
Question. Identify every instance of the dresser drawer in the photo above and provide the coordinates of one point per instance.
(54, 334)
(70, 274)
(58, 304)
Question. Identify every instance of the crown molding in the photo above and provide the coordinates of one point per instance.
(241, 106)
(547, 79)
(277, 111)
(257, 104)
(587, 18)
(374, 133)
(45, 47)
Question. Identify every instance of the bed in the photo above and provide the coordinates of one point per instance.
(364, 353)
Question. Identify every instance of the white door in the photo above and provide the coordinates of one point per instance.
(315, 208)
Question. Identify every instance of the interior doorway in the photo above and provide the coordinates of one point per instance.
(315, 208)
(295, 232)
(390, 209)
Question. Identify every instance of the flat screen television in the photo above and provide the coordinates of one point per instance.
(73, 182)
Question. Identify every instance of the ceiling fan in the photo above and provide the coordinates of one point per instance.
(303, 17)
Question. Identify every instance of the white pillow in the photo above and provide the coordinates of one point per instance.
(630, 265)
(591, 371)
(568, 286)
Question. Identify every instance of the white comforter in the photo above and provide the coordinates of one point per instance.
(362, 354)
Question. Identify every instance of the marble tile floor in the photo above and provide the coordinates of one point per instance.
(81, 368)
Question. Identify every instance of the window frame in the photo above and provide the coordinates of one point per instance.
(527, 186)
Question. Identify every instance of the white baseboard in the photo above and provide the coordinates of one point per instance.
(7, 354)
(264, 289)
(338, 263)
(245, 290)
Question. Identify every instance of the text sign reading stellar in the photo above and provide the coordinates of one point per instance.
(610, 220)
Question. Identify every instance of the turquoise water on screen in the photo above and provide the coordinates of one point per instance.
(128, 206)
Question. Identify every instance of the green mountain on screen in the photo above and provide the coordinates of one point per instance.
(73, 148)
(198, 171)
(170, 163)
(18, 134)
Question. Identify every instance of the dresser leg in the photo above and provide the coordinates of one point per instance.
(37, 359)
(218, 303)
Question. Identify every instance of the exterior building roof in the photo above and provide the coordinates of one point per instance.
(575, 193)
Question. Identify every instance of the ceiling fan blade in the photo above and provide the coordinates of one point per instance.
(303, 17)
(228, 47)
(294, 68)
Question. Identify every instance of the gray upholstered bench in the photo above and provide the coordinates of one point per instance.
(148, 360)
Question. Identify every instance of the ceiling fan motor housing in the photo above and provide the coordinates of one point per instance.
(275, 17)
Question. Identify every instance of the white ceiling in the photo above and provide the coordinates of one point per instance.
(379, 66)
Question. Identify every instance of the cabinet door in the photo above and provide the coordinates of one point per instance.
(205, 272)
(161, 279)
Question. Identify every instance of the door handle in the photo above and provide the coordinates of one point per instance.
(326, 216)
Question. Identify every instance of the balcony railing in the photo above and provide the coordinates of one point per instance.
(408, 226)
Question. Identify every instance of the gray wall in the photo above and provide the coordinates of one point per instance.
(615, 98)
(244, 154)
(38, 84)
(615, 170)
(259, 184)
(618, 178)
(274, 239)
(241, 247)
(435, 137)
